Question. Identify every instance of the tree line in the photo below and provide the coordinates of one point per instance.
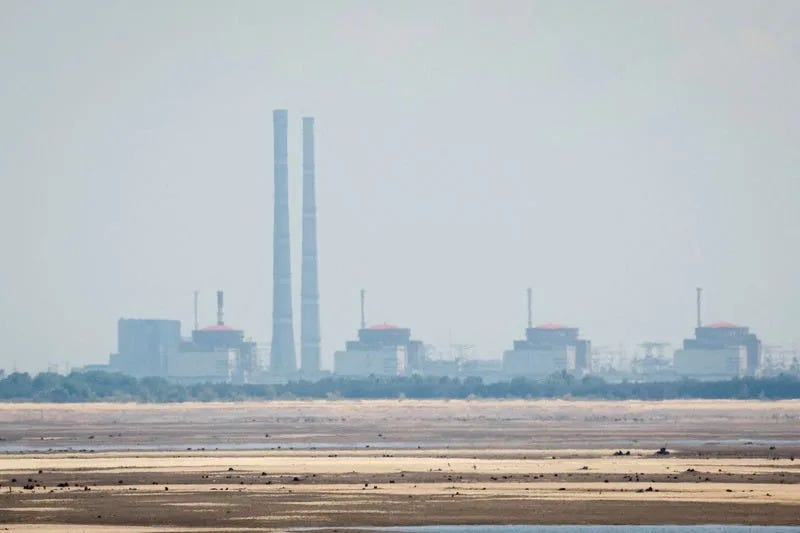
(115, 387)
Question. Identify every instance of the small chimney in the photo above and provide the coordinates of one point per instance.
(699, 296)
(363, 319)
(530, 307)
(220, 322)
(196, 321)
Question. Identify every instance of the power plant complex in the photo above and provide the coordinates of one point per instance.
(220, 353)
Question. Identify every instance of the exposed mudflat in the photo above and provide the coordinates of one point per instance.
(339, 464)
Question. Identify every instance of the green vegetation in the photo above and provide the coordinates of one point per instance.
(102, 386)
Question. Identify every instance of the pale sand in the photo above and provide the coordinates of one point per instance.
(687, 492)
(296, 463)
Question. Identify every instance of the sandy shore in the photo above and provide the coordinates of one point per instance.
(334, 464)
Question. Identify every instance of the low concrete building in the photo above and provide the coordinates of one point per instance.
(547, 349)
(143, 345)
(198, 367)
(724, 335)
(381, 350)
(711, 363)
(383, 361)
(539, 363)
(441, 367)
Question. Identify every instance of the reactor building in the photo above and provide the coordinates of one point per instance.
(722, 350)
(547, 349)
(216, 353)
(381, 350)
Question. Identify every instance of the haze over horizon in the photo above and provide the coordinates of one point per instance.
(611, 155)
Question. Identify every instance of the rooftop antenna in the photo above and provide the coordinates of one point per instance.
(220, 322)
(196, 321)
(363, 320)
(699, 296)
(530, 307)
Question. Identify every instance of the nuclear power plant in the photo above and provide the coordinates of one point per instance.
(215, 353)
(218, 352)
(381, 350)
(721, 350)
(547, 349)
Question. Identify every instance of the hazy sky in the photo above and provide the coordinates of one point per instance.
(610, 155)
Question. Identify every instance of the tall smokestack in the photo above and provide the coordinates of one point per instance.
(220, 303)
(530, 308)
(282, 354)
(363, 318)
(699, 295)
(309, 291)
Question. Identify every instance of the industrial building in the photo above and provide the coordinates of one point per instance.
(381, 350)
(219, 353)
(441, 367)
(216, 353)
(143, 346)
(711, 363)
(216, 366)
(718, 351)
(653, 364)
(489, 370)
(547, 349)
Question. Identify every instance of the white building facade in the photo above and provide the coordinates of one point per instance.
(711, 363)
(387, 361)
(539, 363)
(198, 367)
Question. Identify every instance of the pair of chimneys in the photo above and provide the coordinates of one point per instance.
(282, 352)
(220, 303)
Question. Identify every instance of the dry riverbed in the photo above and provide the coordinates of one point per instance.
(337, 464)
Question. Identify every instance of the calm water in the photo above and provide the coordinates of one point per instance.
(594, 529)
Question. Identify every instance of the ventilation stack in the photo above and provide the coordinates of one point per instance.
(196, 319)
(530, 308)
(363, 317)
(220, 303)
(309, 292)
(282, 353)
(699, 296)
